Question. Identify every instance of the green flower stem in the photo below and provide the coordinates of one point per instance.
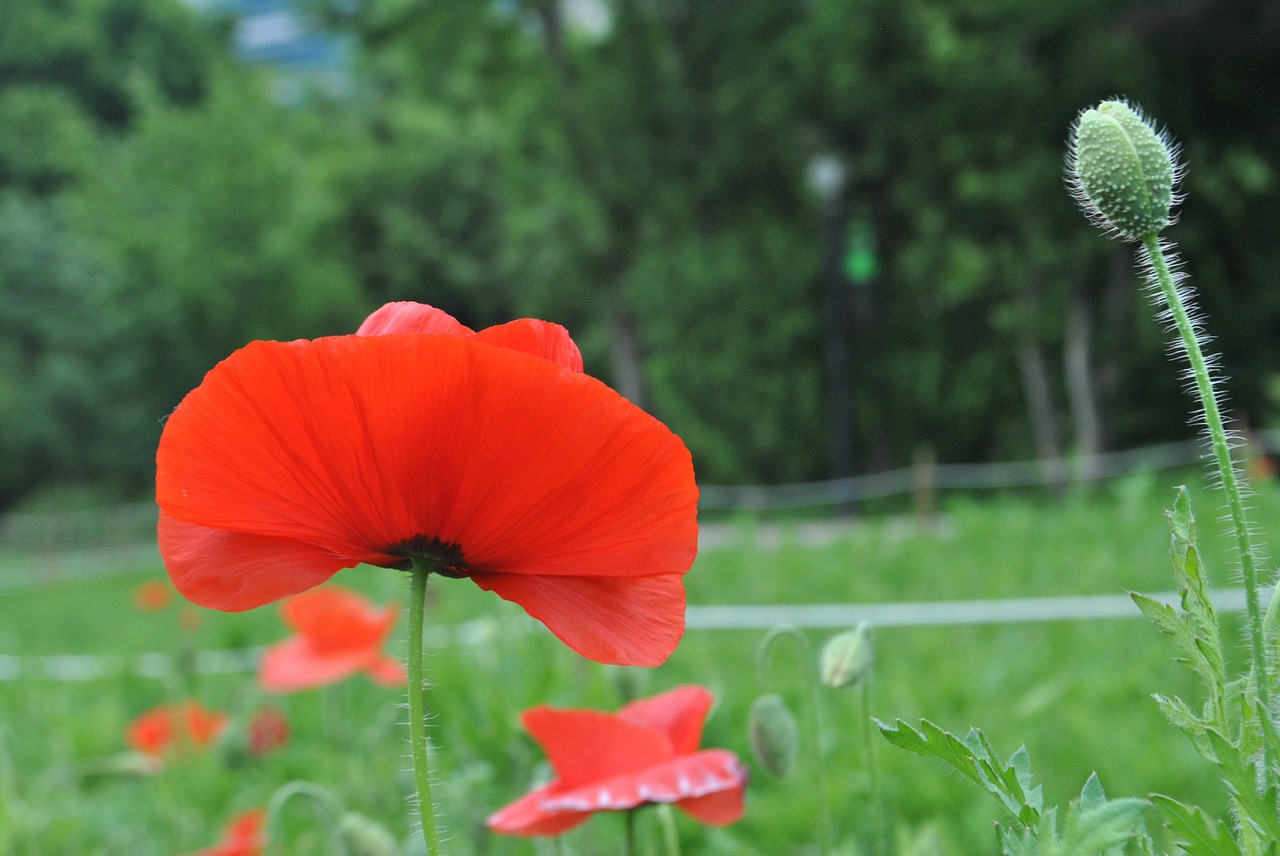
(417, 706)
(298, 788)
(813, 718)
(670, 835)
(873, 769)
(1227, 471)
(631, 832)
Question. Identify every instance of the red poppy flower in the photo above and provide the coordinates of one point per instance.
(152, 596)
(646, 753)
(268, 731)
(489, 454)
(244, 836)
(171, 727)
(338, 633)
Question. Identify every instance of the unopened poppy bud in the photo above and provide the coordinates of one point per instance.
(364, 837)
(846, 658)
(1122, 171)
(775, 736)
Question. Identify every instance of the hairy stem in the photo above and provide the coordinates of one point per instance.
(1227, 472)
(417, 706)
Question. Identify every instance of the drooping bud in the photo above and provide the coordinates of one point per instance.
(846, 658)
(1122, 171)
(774, 734)
(364, 837)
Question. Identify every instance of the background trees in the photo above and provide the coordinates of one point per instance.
(636, 170)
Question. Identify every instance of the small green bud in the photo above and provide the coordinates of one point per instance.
(1122, 171)
(775, 736)
(361, 836)
(846, 658)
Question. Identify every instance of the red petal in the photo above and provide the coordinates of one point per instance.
(540, 338)
(526, 817)
(678, 713)
(335, 619)
(587, 745)
(719, 809)
(295, 665)
(711, 771)
(388, 672)
(234, 571)
(629, 622)
(353, 445)
(407, 317)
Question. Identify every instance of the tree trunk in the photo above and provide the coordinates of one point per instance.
(1081, 395)
(624, 349)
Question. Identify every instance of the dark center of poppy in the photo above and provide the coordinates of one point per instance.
(445, 556)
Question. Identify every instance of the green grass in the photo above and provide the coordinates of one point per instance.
(1076, 693)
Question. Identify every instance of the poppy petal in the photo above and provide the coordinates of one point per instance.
(525, 816)
(710, 771)
(388, 672)
(718, 809)
(586, 745)
(405, 317)
(294, 665)
(630, 622)
(358, 445)
(678, 713)
(540, 338)
(235, 571)
(335, 619)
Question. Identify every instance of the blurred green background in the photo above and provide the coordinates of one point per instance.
(811, 236)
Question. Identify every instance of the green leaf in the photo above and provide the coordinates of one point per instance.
(975, 759)
(1103, 827)
(1197, 833)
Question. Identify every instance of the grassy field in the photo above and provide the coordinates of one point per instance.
(1076, 693)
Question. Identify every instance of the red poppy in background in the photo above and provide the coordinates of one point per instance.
(268, 731)
(244, 836)
(645, 753)
(489, 454)
(173, 727)
(337, 633)
(152, 596)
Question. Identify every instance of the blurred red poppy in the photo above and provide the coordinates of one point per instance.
(337, 633)
(175, 727)
(152, 596)
(244, 836)
(488, 454)
(646, 753)
(268, 731)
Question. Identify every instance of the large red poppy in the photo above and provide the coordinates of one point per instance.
(645, 753)
(337, 633)
(488, 453)
(244, 836)
(174, 727)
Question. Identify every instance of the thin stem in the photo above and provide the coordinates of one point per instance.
(670, 835)
(1227, 471)
(417, 706)
(631, 832)
(297, 788)
(814, 722)
(873, 769)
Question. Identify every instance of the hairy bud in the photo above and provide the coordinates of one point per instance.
(846, 658)
(775, 736)
(1122, 171)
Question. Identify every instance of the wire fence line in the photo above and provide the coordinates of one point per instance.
(75, 668)
(131, 524)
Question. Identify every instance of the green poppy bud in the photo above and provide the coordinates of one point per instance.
(364, 837)
(1122, 171)
(775, 736)
(846, 658)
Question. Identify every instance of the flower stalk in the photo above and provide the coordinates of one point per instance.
(417, 706)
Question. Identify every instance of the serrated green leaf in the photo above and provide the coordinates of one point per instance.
(975, 759)
(1197, 833)
(1258, 811)
(1092, 795)
(1113, 823)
